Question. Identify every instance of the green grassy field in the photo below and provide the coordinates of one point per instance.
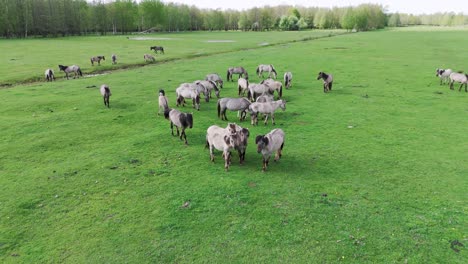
(30, 58)
(373, 172)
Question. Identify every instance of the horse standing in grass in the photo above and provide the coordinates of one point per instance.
(106, 93)
(327, 81)
(240, 142)
(461, 78)
(242, 86)
(156, 48)
(233, 104)
(270, 143)
(236, 70)
(209, 87)
(49, 75)
(267, 108)
(163, 102)
(148, 57)
(275, 86)
(266, 68)
(68, 69)
(97, 59)
(179, 120)
(189, 92)
(215, 78)
(287, 79)
(114, 59)
(222, 139)
(444, 75)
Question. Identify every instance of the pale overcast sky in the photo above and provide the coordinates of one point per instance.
(403, 6)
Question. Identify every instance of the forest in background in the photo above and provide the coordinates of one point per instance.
(53, 18)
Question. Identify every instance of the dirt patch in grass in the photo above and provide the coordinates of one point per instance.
(220, 41)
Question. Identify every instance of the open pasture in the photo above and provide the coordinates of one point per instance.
(29, 58)
(374, 171)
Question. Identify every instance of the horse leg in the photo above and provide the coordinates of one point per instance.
(461, 85)
(451, 85)
(172, 128)
(185, 136)
(273, 118)
(212, 153)
(266, 120)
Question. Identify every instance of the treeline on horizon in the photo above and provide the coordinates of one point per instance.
(23, 18)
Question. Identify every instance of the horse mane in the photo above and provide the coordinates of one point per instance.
(166, 113)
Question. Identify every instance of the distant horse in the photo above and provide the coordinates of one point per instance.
(209, 87)
(236, 70)
(222, 139)
(49, 75)
(287, 79)
(156, 48)
(269, 143)
(180, 120)
(275, 85)
(148, 57)
(266, 68)
(114, 59)
(188, 92)
(233, 104)
(163, 102)
(242, 86)
(267, 109)
(444, 75)
(106, 93)
(97, 59)
(68, 69)
(327, 81)
(215, 78)
(461, 78)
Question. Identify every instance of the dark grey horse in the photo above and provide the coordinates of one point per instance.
(68, 69)
(327, 81)
(156, 48)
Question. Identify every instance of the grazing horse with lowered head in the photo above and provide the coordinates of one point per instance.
(256, 89)
(97, 59)
(188, 91)
(148, 57)
(163, 102)
(68, 69)
(444, 75)
(233, 104)
(236, 70)
(49, 75)
(287, 79)
(215, 78)
(461, 78)
(179, 120)
(106, 93)
(275, 86)
(267, 109)
(327, 81)
(209, 87)
(266, 68)
(156, 48)
(270, 143)
(114, 59)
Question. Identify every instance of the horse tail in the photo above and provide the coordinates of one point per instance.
(108, 92)
(190, 120)
(249, 94)
(219, 108)
(227, 75)
(281, 91)
(330, 86)
(80, 72)
(258, 70)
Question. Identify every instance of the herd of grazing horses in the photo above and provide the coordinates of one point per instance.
(257, 99)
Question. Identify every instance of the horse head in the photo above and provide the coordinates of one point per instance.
(261, 142)
(161, 92)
